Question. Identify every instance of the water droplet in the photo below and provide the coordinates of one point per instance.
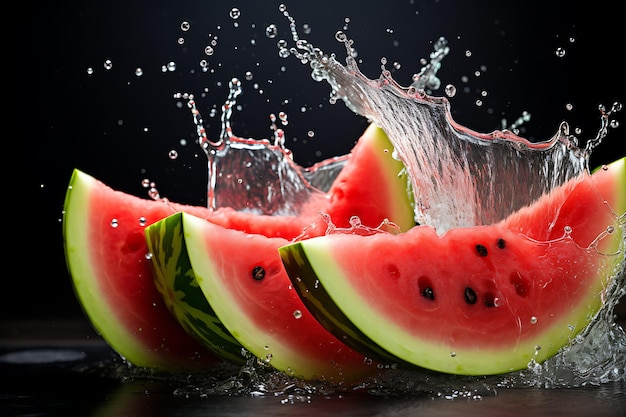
(234, 13)
(271, 31)
(154, 193)
(114, 223)
(297, 314)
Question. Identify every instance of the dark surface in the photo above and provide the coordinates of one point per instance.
(60, 368)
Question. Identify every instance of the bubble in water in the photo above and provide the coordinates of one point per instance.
(209, 50)
(142, 221)
(108, 64)
(249, 75)
(184, 26)
(114, 223)
(234, 13)
(89, 70)
(297, 314)
(533, 320)
(560, 52)
(172, 154)
(450, 90)
(138, 72)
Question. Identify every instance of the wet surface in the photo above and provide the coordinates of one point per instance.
(56, 373)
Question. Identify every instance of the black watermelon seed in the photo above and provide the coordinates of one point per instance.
(425, 287)
(501, 243)
(428, 293)
(470, 296)
(258, 273)
(482, 250)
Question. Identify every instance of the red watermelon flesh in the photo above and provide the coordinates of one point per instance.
(106, 252)
(477, 300)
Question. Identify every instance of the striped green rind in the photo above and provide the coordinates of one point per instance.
(176, 281)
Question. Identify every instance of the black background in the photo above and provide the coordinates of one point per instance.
(119, 127)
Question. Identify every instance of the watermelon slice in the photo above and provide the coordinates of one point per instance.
(477, 300)
(350, 195)
(248, 289)
(107, 253)
(105, 250)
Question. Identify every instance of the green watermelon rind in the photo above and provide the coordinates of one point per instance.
(75, 235)
(319, 283)
(176, 281)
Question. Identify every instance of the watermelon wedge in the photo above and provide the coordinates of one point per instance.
(248, 289)
(477, 300)
(107, 252)
(355, 192)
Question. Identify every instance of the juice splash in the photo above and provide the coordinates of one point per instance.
(258, 175)
(459, 177)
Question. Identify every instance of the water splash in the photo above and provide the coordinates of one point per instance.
(459, 177)
(258, 175)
